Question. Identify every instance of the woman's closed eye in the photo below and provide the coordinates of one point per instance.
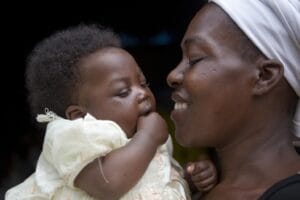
(194, 61)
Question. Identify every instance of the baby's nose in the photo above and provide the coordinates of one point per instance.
(142, 95)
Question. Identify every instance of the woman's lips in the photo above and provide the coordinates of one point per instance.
(178, 110)
(179, 107)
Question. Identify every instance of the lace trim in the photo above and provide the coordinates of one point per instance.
(47, 117)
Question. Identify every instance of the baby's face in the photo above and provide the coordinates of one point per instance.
(114, 88)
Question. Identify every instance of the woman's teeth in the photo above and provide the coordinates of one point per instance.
(180, 106)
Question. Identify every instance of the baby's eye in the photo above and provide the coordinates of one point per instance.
(124, 93)
(145, 84)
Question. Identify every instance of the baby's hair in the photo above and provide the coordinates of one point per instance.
(52, 73)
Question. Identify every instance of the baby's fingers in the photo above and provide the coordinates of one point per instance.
(206, 189)
(205, 182)
(197, 167)
(204, 175)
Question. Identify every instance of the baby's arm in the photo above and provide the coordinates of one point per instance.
(123, 167)
(203, 175)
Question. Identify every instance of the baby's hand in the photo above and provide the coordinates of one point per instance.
(203, 174)
(155, 126)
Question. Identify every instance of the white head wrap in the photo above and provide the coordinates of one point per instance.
(274, 27)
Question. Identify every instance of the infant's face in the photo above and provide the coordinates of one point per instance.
(115, 89)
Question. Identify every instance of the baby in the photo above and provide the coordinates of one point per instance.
(104, 139)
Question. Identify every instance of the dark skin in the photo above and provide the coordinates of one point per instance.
(201, 176)
(242, 107)
(115, 89)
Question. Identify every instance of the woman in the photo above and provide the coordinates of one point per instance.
(236, 89)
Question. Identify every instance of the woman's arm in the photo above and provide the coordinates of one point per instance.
(123, 167)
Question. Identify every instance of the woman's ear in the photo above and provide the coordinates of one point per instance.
(269, 73)
(74, 112)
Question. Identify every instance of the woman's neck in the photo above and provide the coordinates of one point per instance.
(258, 160)
(252, 165)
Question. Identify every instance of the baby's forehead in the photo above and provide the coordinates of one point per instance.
(114, 50)
(110, 62)
(124, 54)
(107, 56)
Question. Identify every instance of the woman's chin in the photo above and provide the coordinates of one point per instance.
(181, 140)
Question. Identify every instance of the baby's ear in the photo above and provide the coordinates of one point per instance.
(269, 73)
(74, 112)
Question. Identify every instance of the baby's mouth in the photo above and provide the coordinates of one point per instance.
(145, 107)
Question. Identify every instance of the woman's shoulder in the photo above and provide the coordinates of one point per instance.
(288, 188)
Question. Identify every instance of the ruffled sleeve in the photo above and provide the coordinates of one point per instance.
(70, 145)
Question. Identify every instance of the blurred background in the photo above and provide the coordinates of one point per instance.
(150, 30)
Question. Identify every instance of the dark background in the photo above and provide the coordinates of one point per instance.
(150, 30)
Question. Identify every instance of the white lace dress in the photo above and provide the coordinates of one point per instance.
(69, 145)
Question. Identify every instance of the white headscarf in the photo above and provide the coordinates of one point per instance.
(274, 27)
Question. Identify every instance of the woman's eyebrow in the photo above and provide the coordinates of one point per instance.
(191, 40)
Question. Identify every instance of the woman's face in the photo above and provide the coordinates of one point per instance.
(211, 83)
(115, 88)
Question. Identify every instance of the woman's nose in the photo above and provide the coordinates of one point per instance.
(175, 77)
